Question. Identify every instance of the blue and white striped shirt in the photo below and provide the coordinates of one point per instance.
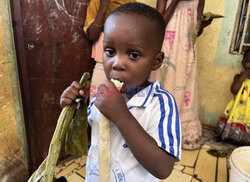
(156, 111)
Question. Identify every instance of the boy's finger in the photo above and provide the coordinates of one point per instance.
(109, 84)
(76, 84)
(81, 92)
(73, 90)
(70, 94)
(65, 101)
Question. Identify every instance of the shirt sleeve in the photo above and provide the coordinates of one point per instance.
(164, 125)
(91, 14)
(90, 110)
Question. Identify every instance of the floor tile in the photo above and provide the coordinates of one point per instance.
(194, 180)
(222, 170)
(67, 170)
(83, 160)
(195, 165)
(177, 176)
(60, 167)
(80, 159)
(178, 167)
(189, 170)
(188, 157)
(75, 178)
(205, 167)
(81, 171)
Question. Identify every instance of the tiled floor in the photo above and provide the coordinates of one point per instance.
(196, 165)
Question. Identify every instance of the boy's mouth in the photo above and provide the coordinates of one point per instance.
(117, 79)
(117, 83)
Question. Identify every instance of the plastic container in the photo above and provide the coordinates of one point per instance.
(240, 165)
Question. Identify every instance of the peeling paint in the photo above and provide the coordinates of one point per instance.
(75, 37)
(48, 100)
(61, 6)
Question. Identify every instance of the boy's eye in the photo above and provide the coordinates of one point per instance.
(109, 52)
(134, 56)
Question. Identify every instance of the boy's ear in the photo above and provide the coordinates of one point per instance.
(158, 61)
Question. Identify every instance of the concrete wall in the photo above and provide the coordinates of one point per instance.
(8, 133)
(216, 66)
(12, 135)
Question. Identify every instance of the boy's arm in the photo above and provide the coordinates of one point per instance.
(238, 80)
(96, 27)
(161, 5)
(144, 148)
(200, 9)
(203, 24)
(167, 13)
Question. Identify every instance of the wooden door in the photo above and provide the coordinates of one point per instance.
(52, 51)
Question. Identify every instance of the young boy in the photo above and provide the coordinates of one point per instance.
(145, 128)
(97, 12)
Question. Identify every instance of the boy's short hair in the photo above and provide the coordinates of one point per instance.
(146, 11)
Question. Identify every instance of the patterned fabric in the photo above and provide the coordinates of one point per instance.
(234, 124)
(179, 74)
(156, 111)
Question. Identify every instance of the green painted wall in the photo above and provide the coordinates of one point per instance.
(222, 57)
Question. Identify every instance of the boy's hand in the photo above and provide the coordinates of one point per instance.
(204, 24)
(110, 101)
(70, 93)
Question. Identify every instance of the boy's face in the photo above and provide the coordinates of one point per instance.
(130, 49)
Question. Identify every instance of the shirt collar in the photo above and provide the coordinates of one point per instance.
(143, 97)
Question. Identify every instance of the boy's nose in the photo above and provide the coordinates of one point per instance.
(118, 64)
